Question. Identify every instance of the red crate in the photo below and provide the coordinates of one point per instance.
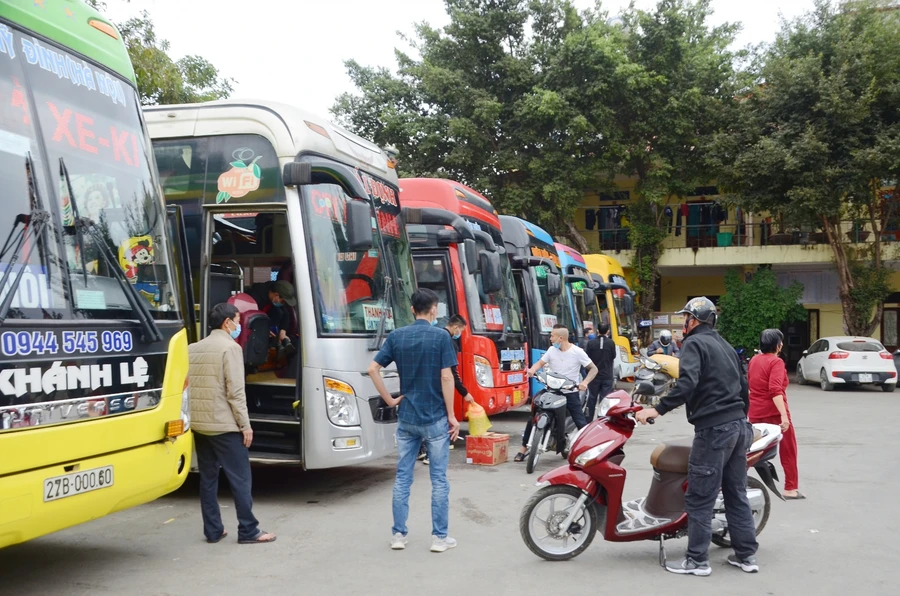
(489, 449)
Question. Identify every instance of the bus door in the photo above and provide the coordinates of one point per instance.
(435, 272)
(246, 253)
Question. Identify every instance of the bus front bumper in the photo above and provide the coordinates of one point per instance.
(140, 475)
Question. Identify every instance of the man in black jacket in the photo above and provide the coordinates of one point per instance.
(602, 352)
(716, 393)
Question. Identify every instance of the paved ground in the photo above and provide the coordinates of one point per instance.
(334, 527)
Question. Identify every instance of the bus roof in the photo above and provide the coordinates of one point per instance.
(74, 25)
(291, 130)
(604, 266)
(447, 194)
(569, 256)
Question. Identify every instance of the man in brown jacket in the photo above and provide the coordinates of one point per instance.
(222, 433)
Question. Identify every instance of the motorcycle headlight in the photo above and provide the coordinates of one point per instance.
(592, 454)
(606, 404)
(555, 383)
(483, 373)
(340, 402)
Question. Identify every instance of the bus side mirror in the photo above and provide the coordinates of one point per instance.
(589, 297)
(628, 305)
(491, 278)
(554, 285)
(470, 250)
(359, 226)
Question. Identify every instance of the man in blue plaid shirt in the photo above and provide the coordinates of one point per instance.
(425, 357)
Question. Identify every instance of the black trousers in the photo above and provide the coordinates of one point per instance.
(225, 451)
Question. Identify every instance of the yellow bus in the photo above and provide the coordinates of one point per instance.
(616, 302)
(93, 351)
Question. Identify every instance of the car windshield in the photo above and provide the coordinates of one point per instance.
(860, 346)
(350, 287)
(497, 312)
(89, 119)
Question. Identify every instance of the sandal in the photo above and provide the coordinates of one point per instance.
(261, 538)
(798, 497)
(224, 534)
(519, 458)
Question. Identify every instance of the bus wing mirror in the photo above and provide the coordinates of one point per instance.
(491, 278)
(554, 285)
(589, 297)
(359, 226)
(296, 174)
(470, 249)
(628, 304)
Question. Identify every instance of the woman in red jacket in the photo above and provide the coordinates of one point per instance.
(768, 403)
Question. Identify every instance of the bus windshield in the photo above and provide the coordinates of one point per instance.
(350, 288)
(626, 323)
(79, 114)
(495, 313)
(549, 310)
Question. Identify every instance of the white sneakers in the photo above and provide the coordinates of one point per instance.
(438, 545)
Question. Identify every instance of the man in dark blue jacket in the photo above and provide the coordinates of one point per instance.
(716, 394)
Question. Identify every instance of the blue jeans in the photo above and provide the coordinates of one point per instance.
(410, 438)
(719, 459)
(228, 452)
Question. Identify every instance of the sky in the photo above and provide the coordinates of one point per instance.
(293, 51)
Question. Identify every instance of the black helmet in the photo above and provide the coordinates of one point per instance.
(702, 309)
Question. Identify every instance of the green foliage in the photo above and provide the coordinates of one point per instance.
(749, 308)
(816, 130)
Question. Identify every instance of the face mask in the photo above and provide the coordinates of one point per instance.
(278, 304)
(557, 345)
(434, 322)
(236, 332)
(592, 336)
(457, 335)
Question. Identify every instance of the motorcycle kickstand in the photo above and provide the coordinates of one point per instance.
(662, 551)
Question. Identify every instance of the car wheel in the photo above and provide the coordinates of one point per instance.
(888, 387)
(800, 378)
(823, 381)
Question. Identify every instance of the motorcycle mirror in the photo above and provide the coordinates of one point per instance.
(644, 388)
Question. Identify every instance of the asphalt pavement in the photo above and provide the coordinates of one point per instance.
(334, 528)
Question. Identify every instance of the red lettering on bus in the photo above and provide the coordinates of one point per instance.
(120, 152)
(19, 101)
(327, 205)
(85, 133)
(62, 124)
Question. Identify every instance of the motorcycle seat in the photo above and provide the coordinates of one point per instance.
(672, 456)
(757, 435)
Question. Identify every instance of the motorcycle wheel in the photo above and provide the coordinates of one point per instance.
(760, 517)
(534, 452)
(541, 516)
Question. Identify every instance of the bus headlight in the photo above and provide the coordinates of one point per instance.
(483, 373)
(186, 406)
(623, 355)
(340, 402)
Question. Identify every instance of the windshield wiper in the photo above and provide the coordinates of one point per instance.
(375, 345)
(138, 305)
(34, 226)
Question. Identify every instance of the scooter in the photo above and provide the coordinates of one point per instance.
(559, 521)
(659, 370)
(550, 420)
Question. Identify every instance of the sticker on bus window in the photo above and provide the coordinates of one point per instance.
(547, 323)
(372, 316)
(90, 300)
(243, 177)
(442, 309)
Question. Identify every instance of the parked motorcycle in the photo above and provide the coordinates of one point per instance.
(551, 421)
(560, 520)
(659, 370)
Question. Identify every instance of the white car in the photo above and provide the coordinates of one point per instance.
(845, 361)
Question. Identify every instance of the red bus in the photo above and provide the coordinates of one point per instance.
(479, 287)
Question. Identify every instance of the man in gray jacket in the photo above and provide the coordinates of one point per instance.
(222, 433)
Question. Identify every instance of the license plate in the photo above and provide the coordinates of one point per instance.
(864, 378)
(514, 379)
(517, 397)
(60, 487)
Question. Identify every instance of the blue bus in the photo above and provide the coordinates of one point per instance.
(578, 291)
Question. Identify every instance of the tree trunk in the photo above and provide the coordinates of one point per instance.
(575, 236)
(855, 323)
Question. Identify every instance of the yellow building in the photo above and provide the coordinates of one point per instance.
(707, 238)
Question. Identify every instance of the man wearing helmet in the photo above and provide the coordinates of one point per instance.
(664, 345)
(713, 387)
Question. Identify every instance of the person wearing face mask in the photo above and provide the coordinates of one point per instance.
(221, 425)
(713, 387)
(425, 358)
(564, 359)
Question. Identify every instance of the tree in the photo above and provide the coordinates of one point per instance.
(160, 79)
(747, 308)
(657, 86)
(482, 105)
(816, 135)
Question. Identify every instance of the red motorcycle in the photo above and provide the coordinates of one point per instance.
(577, 500)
